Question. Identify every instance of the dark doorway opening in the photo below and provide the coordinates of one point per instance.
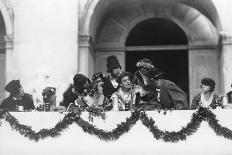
(172, 63)
(165, 34)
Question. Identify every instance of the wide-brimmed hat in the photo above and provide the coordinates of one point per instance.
(145, 63)
(13, 86)
(48, 92)
(154, 73)
(112, 62)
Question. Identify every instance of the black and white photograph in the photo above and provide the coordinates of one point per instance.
(114, 77)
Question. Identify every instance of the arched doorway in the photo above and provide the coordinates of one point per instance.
(109, 24)
(6, 45)
(162, 33)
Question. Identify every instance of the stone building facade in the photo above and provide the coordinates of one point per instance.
(186, 39)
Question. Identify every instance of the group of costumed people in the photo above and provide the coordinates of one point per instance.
(119, 91)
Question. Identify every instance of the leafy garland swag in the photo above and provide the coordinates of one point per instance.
(202, 114)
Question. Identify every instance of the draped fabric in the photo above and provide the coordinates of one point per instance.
(171, 96)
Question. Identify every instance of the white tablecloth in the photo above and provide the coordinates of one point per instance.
(137, 141)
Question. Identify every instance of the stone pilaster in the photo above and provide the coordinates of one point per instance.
(86, 55)
(225, 49)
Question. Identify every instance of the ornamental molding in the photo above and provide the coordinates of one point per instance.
(85, 41)
(225, 38)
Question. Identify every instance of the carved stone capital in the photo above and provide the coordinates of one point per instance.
(225, 38)
(85, 41)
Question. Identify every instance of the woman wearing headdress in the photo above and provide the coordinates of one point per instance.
(114, 68)
(95, 97)
(140, 78)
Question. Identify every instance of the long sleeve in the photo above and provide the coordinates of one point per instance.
(179, 97)
(172, 96)
(196, 102)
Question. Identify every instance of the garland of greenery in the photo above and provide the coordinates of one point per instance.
(172, 136)
(202, 114)
(26, 131)
(109, 135)
(218, 129)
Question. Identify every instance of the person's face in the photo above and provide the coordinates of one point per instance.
(125, 82)
(86, 85)
(205, 88)
(116, 72)
(20, 93)
(99, 81)
(143, 71)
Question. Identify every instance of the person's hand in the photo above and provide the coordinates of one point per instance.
(78, 101)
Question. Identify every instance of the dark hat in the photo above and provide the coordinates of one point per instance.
(48, 92)
(146, 63)
(98, 75)
(13, 86)
(80, 80)
(154, 73)
(112, 62)
(119, 78)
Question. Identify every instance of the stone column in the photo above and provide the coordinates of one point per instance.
(86, 56)
(10, 58)
(225, 47)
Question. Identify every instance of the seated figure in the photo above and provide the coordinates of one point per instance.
(206, 98)
(95, 96)
(18, 100)
(73, 95)
(49, 101)
(124, 98)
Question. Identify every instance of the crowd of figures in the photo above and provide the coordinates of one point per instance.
(119, 91)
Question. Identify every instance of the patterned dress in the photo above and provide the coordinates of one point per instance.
(197, 102)
(126, 100)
